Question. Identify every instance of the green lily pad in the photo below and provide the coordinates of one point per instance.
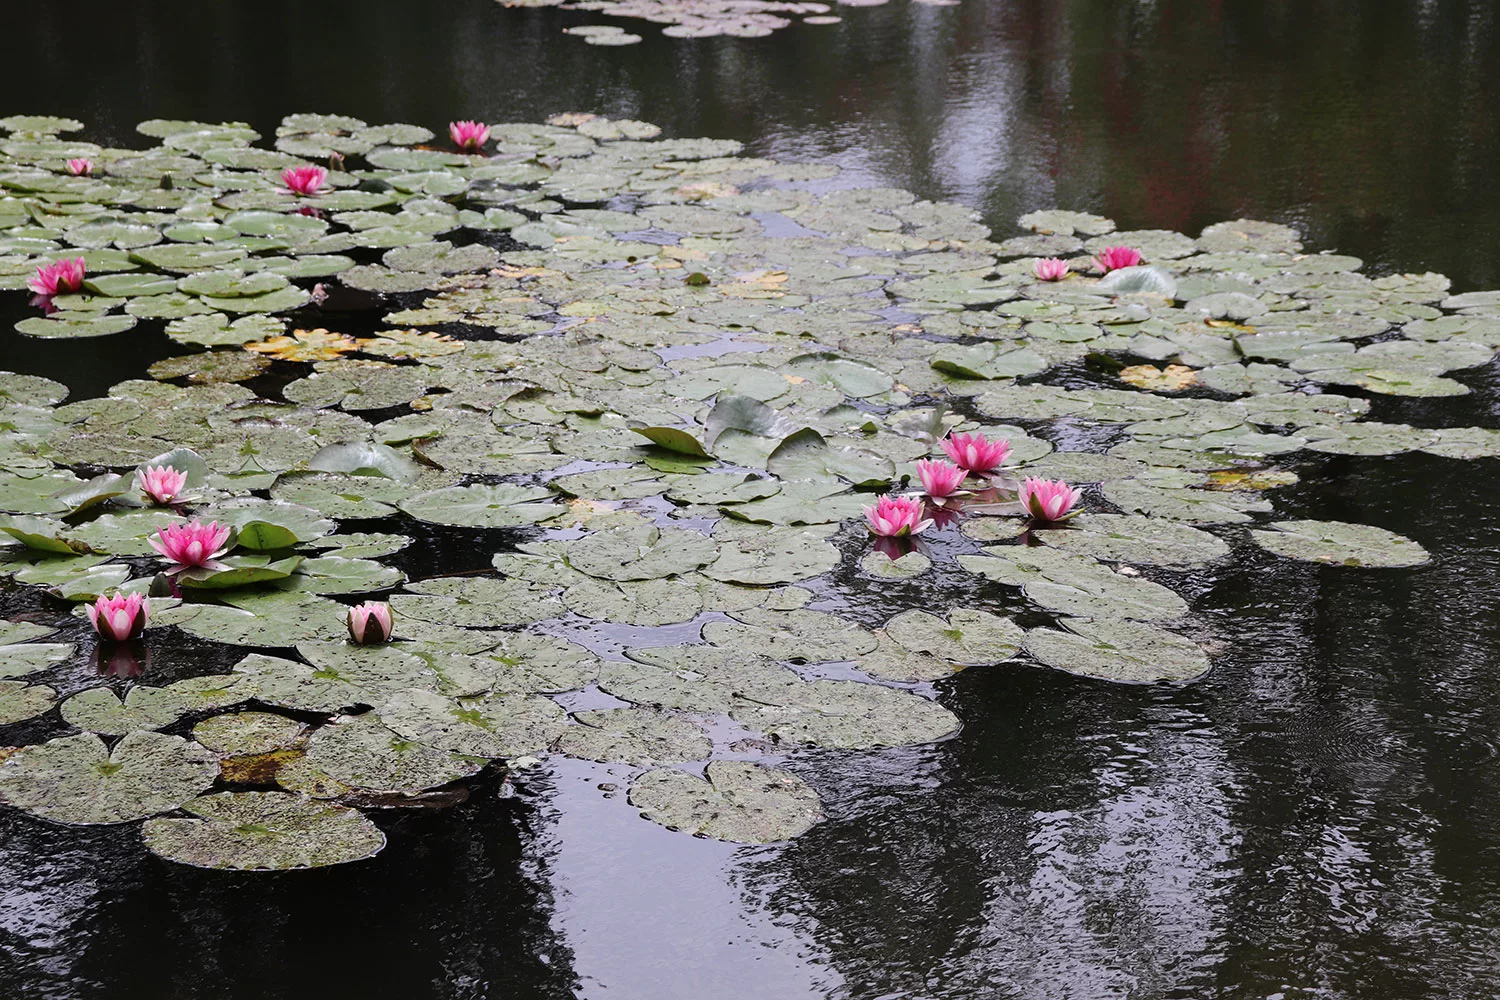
(476, 602)
(640, 553)
(1340, 544)
(969, 637)
(636, 736)
(247, 733)
(494, 726)
(810, 636)
(848, 715)
(78, 780)
(808, 455)
(20, 701)
(263, 831)
(777, 555)
(19, 659)
(695, 678)
(1135, 539)
(735, 801)
(363, 459)
(502, 506)
(1118, 651)
(361, 752)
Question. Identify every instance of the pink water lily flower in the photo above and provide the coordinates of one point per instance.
(896, 517)
(370, 623)
(976, 453)
(161, 483)
(1050, 269)
(58, 278)
(119, 618)
(304, 180)
(939, 478)
(1114, 258)
(192, 544)
(1049, 499)
(81, 167)
(469, 135)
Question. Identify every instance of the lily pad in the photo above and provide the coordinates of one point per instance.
(848, 715)
(361, 752)
(493, 726)
(1340, 544)
(968, 637)
(735, 801)
(1131, 652)
(79, 780)
(643, 553)
(263, 831)
(637, 736)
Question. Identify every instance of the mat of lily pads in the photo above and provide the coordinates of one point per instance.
(647, 384)
(702, 18)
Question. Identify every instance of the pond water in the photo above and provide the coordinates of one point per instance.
(1315, 817)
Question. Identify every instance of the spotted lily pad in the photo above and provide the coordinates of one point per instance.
(735, 801)
(20, 701)
(78, 780)
(263, 831)
(847, 715)
(503, 506)
(361, 752)
(638, 736)
(247, 732)
(1135, 539)
(644, 553)
(969, 637)
(1118, 651)
(497, 726)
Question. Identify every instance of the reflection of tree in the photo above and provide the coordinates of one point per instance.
(1068, 844)
(450, 910)
(1369, 126)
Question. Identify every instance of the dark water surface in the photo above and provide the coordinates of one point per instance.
(1318, 818)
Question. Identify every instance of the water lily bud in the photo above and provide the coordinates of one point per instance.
(370, 623)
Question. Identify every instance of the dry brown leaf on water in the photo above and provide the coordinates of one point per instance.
(571, 119)
(1254, 479)
(306, 345)
(1172, 378)
(703, 190)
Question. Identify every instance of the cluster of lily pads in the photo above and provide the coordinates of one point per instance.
(698, 18)
(659, 383)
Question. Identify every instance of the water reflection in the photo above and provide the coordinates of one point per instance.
(457, 908)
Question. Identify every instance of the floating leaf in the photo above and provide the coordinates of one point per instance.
(736, 801)
(640, 553)
(637, 736)
(968, 636)
(503, 506)
(360, 752)
(247, 732)
(1118, 651)
(848, 715)
(1340, 544)
(263, 831)
(493, 726)
(78, 780)
(20, 701)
